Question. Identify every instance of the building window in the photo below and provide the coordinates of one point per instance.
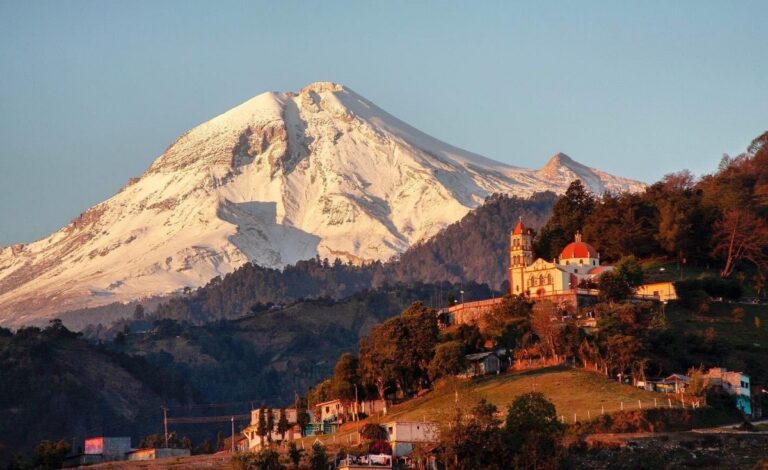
(594, 262)
(576, 271)
(549, 279)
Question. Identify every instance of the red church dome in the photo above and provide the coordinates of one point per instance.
(578, 249)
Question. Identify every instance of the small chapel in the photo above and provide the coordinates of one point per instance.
(579, 261)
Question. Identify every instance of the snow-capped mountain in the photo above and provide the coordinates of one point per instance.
(282, 177)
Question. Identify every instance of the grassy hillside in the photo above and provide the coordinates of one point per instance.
(54, 385)
(571, 390)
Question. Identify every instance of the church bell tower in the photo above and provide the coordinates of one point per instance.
(520, 256)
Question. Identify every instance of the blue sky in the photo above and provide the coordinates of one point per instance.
(92, 91)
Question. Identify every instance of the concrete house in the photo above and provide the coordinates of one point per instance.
(734, 383)
(110, 448)
(251, 432)
(100, 449)
(337, 411)
(403, 434)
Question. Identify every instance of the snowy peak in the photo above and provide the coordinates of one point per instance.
(561, 169)
(282, 177)
(560, 159)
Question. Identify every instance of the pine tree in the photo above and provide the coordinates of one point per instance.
(302, 415)
(294, 453)
(270, 425)
(261, 427)
(282, 424)
(319, 458)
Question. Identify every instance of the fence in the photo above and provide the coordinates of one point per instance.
(662, 402)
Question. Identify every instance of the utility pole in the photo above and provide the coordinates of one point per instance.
(233, 434)
(165, 424)
(357, 416)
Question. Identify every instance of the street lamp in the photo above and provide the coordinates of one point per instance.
(462, 296)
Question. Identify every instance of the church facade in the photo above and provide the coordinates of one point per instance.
(560, 281)
(578, 262)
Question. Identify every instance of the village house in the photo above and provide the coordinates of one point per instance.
(402, 435)
(482, 364)
(255, 441)
(663, 291)
(331, 411)
(675, 383)
(733, 383)
(337, 411)
(110, 448)
(100, 449)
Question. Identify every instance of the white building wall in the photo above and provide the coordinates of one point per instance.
(412, 431)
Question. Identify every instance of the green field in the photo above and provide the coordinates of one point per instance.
(572, 391)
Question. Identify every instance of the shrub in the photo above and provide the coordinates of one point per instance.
(725, 288)
(265, 459)
(379, 447)
(373, 432)
(319, 458)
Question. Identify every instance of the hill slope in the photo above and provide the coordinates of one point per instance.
(55, 385)
(282, 177)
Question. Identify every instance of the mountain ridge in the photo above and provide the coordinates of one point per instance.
(279, 178)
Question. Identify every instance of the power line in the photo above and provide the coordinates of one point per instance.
(208, 419)
(213, 405)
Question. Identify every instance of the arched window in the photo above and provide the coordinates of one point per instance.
(594, 262)
(549, 279)
(567, 263)
(541, 279)
(531, 281)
